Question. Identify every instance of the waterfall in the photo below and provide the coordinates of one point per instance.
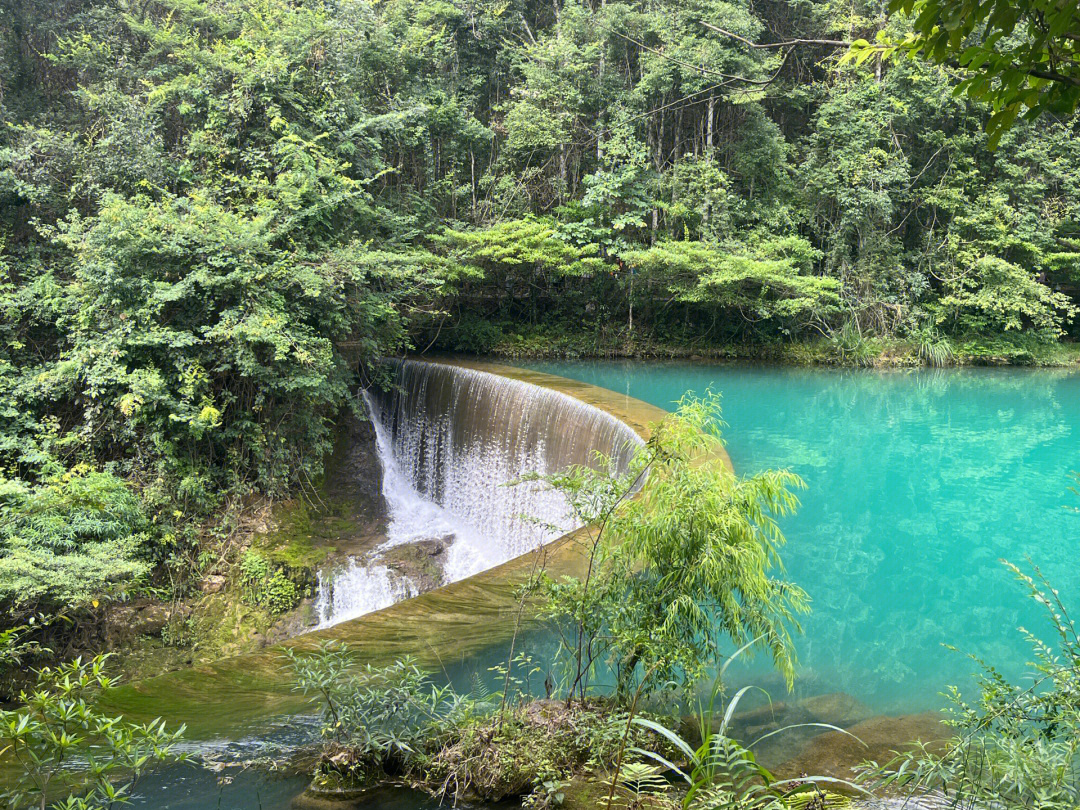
(451, 441)
(357, 589)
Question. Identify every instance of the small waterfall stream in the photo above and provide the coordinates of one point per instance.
(451, 441)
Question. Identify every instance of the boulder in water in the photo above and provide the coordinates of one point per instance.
(837, 754)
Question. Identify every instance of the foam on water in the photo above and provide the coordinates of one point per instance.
(356, 589)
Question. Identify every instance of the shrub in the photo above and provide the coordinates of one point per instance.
(476, 336)
(674, 573)
(934, 349)
(58, 725)
(265, 585)
(70, 540)
(851, 347)
(377, 712)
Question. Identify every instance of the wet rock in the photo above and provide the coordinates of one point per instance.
(141, 619)
(151, 620)
(421, 563)
(355, 469)
(436, 546)
(836, 708)
(336, 790)
(583, 793)
(297, 621)
(214, 583)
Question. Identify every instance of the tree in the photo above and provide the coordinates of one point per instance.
(682, 558)
(772, 285)
(1022, 57)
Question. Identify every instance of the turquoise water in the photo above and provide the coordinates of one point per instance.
(918, 483)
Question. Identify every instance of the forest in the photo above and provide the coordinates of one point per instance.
(215, 212)
(218, 216)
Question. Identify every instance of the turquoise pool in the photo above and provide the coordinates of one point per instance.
(918, 483)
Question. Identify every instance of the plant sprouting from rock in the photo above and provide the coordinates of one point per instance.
(377, 712)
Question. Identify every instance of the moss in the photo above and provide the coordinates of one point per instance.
(586, 793)
(297, 539)
(541, 743)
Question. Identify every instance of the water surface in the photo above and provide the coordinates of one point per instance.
(918, 483)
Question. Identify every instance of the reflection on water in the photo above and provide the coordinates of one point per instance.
(190, 787)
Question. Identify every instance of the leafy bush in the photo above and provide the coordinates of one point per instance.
(70, 540)
(70, 755)
(851, 346)
(997, 296)
(934, 349)
(265, 585)
(529, 750)
(1018, 745)
(377, 712)
(476, 336)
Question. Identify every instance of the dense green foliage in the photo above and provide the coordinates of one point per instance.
(378, 712)
(265, 585)
(66, 539)
(216, 214)
(488, 746)
(683, 560)
(1021, 55)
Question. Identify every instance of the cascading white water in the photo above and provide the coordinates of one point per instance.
(452, 441)
(356, 589)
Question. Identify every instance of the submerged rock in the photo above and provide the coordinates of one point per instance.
(342, 799)
(837, 755)
(786, 726)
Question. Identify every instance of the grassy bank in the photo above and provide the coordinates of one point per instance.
(517, 341)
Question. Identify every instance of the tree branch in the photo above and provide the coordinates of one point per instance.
(838, 43)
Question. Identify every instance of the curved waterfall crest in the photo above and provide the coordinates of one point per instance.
(451, 441)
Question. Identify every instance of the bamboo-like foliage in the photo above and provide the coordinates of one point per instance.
(690, 564)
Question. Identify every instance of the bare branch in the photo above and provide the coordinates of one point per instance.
(838, 43)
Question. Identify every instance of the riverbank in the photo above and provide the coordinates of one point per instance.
(520, 342)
